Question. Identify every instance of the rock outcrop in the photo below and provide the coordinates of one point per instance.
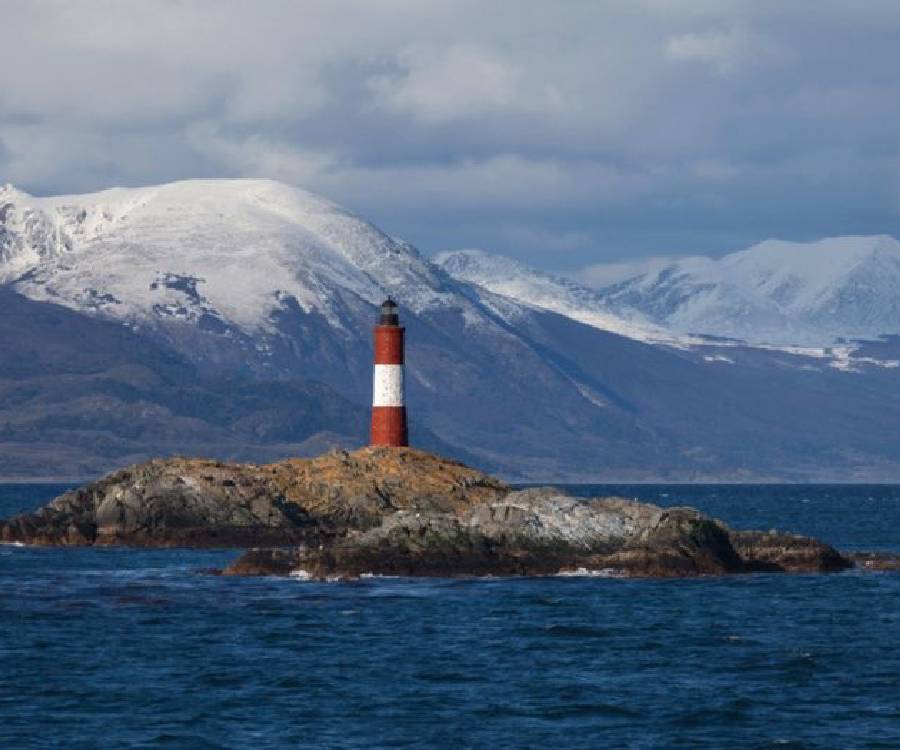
(199, 503)
(876, 560)
(399, 511)
(541, 532)
(773, 550)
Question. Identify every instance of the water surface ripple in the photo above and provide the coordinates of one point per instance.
(111, 648)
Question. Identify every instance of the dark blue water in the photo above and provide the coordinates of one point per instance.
(126, 648)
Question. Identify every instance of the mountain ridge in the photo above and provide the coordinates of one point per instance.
(767, 295)
(775, 292)
(267, 287)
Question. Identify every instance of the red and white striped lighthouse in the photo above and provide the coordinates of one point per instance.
(388, 406)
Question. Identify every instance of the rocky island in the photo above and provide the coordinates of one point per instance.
(400, 511)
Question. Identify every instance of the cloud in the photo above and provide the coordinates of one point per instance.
(719, 49)
(529, 237)
(459, 82)
(713, 169)
(254, 155)
(571, 134)
(728, 51)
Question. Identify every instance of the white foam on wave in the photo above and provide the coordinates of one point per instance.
(589, 573)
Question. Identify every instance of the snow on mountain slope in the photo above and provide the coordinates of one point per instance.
(775, 293)
(226, 250)
(507, 277)
(243, 284)
(229, 255)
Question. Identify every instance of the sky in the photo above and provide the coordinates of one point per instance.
(564, 134)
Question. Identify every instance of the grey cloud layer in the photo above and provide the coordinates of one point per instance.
(562, 133)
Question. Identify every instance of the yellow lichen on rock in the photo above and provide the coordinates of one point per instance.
(402, 478)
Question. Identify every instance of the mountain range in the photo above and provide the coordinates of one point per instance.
(233, 318)
(785, 294)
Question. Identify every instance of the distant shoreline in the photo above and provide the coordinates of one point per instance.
(45, 480)
(709, 482)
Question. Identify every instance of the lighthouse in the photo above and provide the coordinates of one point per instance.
(388, 406)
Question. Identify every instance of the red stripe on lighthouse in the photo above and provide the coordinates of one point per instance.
(389, 425)
(389, 345)
(388, 403)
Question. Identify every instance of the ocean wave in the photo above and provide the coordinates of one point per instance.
(590, 573)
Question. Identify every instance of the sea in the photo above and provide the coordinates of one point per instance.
(125, 648)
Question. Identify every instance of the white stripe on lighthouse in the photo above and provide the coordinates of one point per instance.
(387, 385)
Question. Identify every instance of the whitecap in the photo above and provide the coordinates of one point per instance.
(588, 573)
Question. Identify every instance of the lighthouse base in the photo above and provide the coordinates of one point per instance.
(389, 426)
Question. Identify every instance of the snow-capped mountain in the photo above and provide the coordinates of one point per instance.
(252, 274)
(775, 293)
(234, 317)
(260, 278)
(233, 250)
(527, 286)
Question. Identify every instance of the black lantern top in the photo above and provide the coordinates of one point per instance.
(389, 316)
